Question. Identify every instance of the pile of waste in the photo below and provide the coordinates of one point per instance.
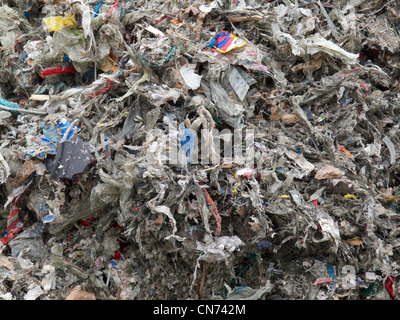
(193, 149)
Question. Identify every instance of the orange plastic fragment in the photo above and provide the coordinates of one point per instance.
(355, 242)
(214, 210)
(343, 149)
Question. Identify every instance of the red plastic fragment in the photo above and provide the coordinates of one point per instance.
(50, 72)
(389, 286)
(117, 226)
(112, 8)
(116, 255)
(159, 20)
(86, 222)
(248, 175)
(110, 83)
(13, 223)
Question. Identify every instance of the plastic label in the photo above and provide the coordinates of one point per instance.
(226, 41)
(56, 23)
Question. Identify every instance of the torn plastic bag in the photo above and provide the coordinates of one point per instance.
(167, 211)
(46, 210)
(26, 171)
(231, 112)
(12, 23)
(34, 291)
(47, 143)
(73, 44)
(49, 280)
(316, 43)
(4, 115)
(71, 158)
(31, 240)
(248, 293)
(4, 168)
(239, 81)
(219, 249)
(192, 79)
(41, 148)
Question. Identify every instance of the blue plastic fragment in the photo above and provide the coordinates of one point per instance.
(238, 289)
(97, 8)
(344, 102)
(48, 217)
(187, 142)
(42, 155)
(264, 243)
(192, 228)
(170, 54)
(64, 124)
(212, 43)
(66, 58)
(51, 133)
(52, 136)
(331, 271)
(8, 104)
(358, 281)
(114, 264)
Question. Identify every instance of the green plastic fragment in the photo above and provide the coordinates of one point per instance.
(372, 289)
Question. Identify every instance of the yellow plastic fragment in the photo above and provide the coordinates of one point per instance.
(391, 198)
(350, 196)
(235, 192)
(56, 23)
(285, 196)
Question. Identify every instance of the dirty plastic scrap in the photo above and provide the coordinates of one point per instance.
(199, 150)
